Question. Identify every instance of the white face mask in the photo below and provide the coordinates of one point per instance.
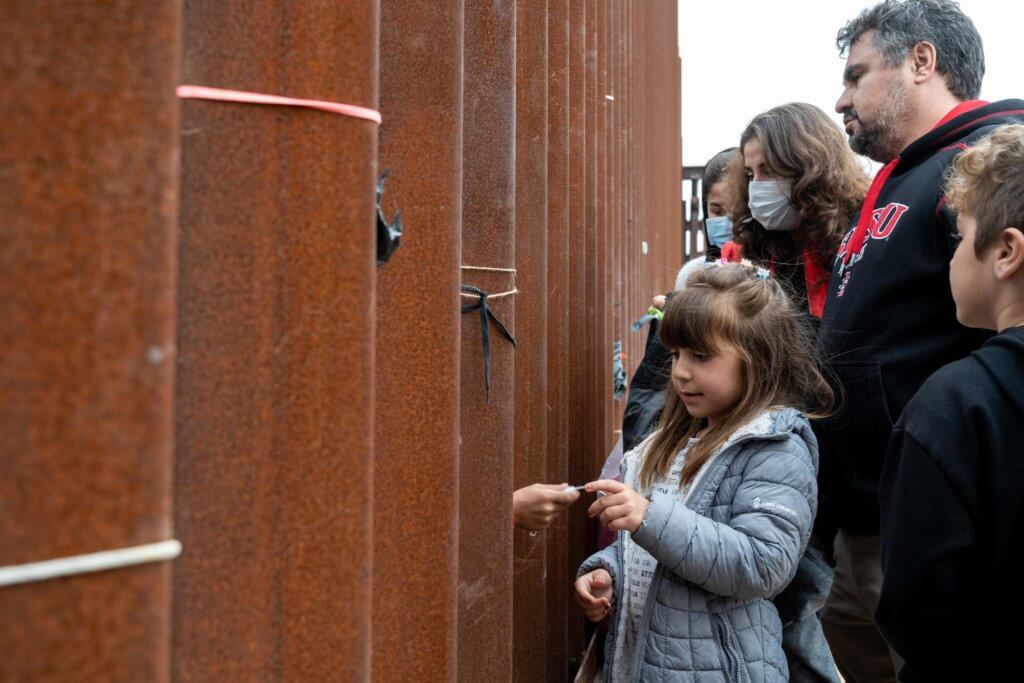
(770, 206)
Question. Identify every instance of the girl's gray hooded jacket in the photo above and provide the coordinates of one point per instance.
(722, 556)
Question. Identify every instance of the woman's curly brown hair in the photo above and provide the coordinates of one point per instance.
(802, 144)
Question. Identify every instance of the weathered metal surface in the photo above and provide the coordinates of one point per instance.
(488, 240)
(559, 302)
(593, 107)
(418, 330)
(593, 397)
(666, 96)
(580, 530)
(616, 197)
(89, 166)
(527, 135)
(530, 601)
(274, 406)
(605, 248)
(673, 123)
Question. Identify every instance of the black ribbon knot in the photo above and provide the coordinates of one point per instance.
(486, 315)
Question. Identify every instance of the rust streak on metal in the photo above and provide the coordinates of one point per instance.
(560, 302)
(580, 530)
(530, 600)
(342, 483)
(488, 236)
(418, 329)
(275, 398)
(89, 161)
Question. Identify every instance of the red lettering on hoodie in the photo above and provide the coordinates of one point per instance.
(885, 220)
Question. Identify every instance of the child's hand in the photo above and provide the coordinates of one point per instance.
(537, 505)
(622, 508)
(594, 593)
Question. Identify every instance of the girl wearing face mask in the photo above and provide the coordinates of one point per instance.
(718, 234)
(797, 188)
(647, 386)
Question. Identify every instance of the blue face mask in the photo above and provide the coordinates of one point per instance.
(719, 230)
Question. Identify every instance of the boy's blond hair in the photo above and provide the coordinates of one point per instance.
(986, 182)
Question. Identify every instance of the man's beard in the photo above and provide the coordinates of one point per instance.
(883, 138)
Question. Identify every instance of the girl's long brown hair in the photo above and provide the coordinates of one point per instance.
(802, 144)
(730, 308)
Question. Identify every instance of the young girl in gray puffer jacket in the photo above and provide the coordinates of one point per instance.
(715, 509)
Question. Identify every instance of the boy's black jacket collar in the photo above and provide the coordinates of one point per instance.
(956, 129)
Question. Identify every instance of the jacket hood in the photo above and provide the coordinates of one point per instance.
(775, 424)
(1002, 357)
(956, 129)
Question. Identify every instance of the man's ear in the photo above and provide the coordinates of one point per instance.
(923, 61)
(1009, 253)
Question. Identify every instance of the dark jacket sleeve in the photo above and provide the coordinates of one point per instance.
(927, 540)
(646, 391)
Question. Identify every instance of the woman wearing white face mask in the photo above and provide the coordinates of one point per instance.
(797, 188)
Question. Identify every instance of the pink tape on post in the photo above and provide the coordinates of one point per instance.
(198, 92)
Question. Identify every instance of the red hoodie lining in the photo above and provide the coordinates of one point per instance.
(856, 242)
(958, 129)
(962, 108)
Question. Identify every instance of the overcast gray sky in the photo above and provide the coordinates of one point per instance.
(742, 57)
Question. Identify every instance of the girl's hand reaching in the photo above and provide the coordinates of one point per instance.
(622, 509)
(594, 593)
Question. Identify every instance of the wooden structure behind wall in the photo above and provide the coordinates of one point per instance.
(198, 343)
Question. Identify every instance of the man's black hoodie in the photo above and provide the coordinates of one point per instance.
(889, 318)
(953, 520)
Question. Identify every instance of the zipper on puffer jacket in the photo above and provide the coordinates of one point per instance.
(613, 630)
(640, 647)
(733, 659)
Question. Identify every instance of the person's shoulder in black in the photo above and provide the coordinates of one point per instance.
(953, 516)
(890, 321)
(952, 488)
(952, 493)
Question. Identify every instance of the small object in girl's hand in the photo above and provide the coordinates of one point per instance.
(570, 489)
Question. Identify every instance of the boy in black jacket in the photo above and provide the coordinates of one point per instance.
(913, 72)
(953, 486)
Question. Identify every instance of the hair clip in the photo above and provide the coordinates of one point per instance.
(761, 273)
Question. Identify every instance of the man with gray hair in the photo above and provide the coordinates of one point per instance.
(913, 74)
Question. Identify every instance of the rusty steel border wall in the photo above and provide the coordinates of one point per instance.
(199, 344)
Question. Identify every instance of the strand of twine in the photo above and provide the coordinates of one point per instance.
(499, 295)
(490, 270)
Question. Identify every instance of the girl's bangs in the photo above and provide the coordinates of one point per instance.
(693, 321)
